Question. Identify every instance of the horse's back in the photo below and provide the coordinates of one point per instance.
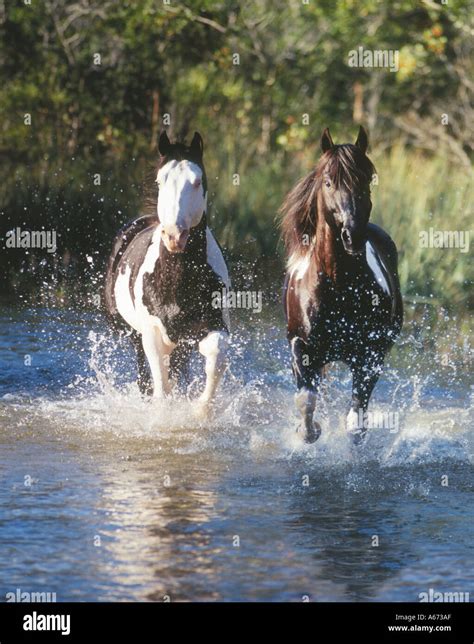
(141, 229)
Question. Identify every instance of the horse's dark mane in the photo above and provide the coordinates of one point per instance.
(299, 212)
(346, 166)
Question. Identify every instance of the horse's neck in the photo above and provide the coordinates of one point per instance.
(195, 253)
(196, 248)
(331, 260)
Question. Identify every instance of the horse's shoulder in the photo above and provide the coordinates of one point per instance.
(135, 251)
(379, 234)
(383, 243)
(385, 247)
(215, 257)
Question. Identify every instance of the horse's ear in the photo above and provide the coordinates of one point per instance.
(362, 139)
(326, 140)
(164, 144)
(197, 145)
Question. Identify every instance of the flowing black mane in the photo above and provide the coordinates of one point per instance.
(346, 166)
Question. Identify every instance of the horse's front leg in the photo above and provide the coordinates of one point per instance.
(364, 379)
(213, 347)
(145, 384)
(158, 356)
(308, 379)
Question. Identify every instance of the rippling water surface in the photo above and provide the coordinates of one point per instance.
(106, 497)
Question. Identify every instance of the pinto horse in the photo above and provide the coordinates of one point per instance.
(162, 274)
(342, 295)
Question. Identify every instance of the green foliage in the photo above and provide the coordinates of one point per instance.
(261, 118)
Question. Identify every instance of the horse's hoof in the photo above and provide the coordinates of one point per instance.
(146, 391)
(202, 410)
(357, 436)
(311, 433)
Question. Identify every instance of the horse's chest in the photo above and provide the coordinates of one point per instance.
(359, 312)
(180, 294)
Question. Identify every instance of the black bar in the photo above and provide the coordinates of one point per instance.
(192, 622)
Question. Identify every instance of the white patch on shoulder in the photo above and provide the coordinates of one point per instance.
(215, 258)
(375, 266)
(298, 265)
(135, 313)
(216, 261)
(145, 319)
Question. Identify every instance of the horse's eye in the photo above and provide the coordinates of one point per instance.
(327, 183)
(197, 183)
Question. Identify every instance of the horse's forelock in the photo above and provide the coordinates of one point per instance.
(346, 166)
(182, 152)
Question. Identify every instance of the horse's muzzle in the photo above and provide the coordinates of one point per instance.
(354, 244)
(176, 243)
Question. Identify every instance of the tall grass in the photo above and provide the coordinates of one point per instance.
(414, 193)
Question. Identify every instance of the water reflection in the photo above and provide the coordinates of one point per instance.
(99, 457)
(159, 531)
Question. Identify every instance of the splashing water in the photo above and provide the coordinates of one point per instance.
(166, 496)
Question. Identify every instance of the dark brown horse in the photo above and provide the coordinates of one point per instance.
(342, 295)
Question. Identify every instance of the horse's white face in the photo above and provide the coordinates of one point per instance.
(181, 202)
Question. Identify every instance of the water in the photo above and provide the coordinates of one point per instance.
(106, 497)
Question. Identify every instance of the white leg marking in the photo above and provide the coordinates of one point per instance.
(352, 421)
(157, 353)
(305, 401)
(213, 348)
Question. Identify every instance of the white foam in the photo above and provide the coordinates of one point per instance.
(257, 417)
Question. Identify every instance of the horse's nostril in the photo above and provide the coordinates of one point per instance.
(346, 236)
